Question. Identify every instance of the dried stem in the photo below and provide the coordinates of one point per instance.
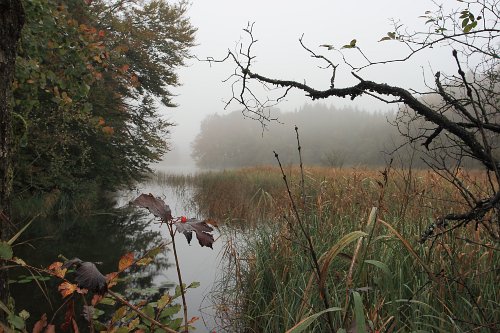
(179, 277)
(312, 251)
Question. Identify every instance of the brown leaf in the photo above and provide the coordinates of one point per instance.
(75, 326)
(88, 276)
(156, 206)
(111, 279)
(96, 299)
(126, 261)
(69, 316)
(212, 222)
(200, 227)
(40, 325)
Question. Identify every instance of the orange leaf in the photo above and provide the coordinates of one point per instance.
(55, 268)
(111, 278)
(126, 261)
(67, 289)
(108, 130)
(192, 320)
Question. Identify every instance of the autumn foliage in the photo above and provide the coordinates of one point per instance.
(89, 81)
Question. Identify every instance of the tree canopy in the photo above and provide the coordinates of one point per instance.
(90, 81)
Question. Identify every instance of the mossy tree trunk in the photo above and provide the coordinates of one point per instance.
(11, 23)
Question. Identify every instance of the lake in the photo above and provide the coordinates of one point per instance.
(104, 236)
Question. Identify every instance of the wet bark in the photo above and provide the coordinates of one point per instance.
(11, 23)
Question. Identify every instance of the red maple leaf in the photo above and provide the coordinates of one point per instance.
(200, 227)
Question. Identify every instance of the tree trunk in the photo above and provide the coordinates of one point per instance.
(11, 23)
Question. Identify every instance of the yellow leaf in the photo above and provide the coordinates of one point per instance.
(144, 261)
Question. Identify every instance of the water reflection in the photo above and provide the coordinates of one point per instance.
(101, 237)
(200, 264)
(104, 237)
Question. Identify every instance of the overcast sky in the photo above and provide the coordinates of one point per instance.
(278, 26)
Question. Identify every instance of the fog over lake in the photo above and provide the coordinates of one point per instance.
(278, 27)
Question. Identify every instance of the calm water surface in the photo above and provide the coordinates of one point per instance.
(108, 234)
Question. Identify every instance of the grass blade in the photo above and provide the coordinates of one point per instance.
(304, 323)
(327, 258)
(16, 236)
(380, 265)
(359, 313)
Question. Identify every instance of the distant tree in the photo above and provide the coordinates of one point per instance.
(460, 122)
(330, 136)
(334, 158)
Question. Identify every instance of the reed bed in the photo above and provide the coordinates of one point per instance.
(385, 281)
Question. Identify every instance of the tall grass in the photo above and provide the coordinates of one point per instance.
(449, 284)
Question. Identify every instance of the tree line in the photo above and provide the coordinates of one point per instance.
(330, 136)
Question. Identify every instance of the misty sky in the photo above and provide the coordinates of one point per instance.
(278, 26)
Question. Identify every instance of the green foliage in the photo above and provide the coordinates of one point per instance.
(5, 250)
(351, 45)
(87, 80)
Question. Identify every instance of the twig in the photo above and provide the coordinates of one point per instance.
(312, 252)
(139, 312)
(299, 148)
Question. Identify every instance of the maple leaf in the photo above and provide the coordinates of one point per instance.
(156, 206)
(200, 227)
(126, 261)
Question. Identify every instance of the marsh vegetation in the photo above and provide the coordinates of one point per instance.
(386, 277)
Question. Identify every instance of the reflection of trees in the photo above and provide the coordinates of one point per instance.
(102, 237)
